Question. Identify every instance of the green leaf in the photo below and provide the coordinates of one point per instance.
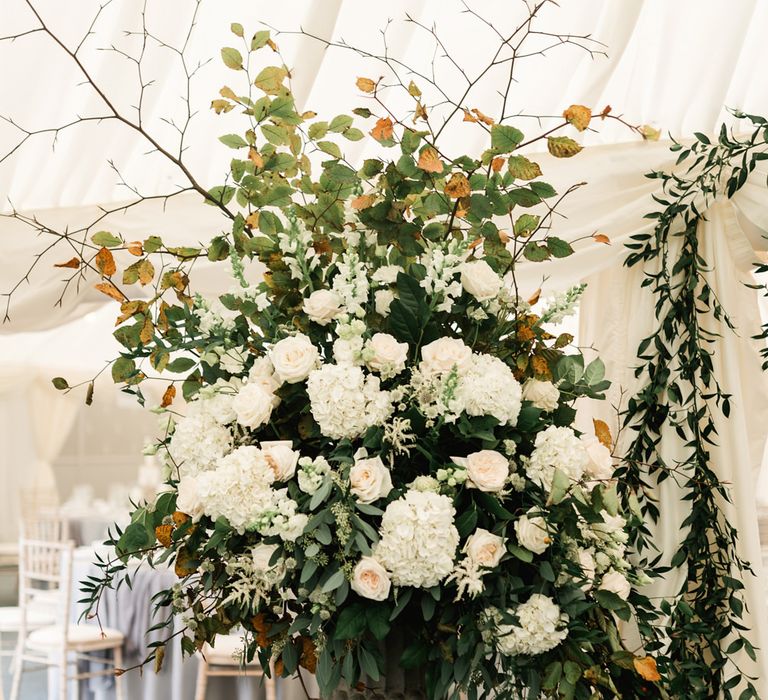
(259, 40)
(122, 369)
(377, 617)
(505, 138)
(60, 383)
(560, 485)
(152, 244)
(232, 58)
(330, 148)
(181, 364)
(340, 123)
(363, 112)
(526, 224)
(220, 194)
(333, 582)
(233, 141)
(237, 29)
(276, 135)
(535, 252)
(594, 372)
(351, 623)
(317, 130)
(106, 239)
(521, 168)
(270, 79)
(353, 134)
(558, 247)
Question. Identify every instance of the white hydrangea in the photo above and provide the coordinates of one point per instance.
(345, 402)
(418, 539)
(218, 398)
(239, 488)
(488, 388)
(541, 626)
(198, 440)
(556, 448)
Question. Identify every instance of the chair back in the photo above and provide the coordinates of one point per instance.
(45, 574)
(44, 526)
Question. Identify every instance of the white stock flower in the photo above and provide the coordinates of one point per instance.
(425, 483)
(253, 404)
(484, 549)
(615, 582)
(345, 402)
(479, 279)
(418, 539)
(532, 532)
(385, 355)
(370, 579)
(541, 627)
(322, 306)
(386, 274)
(556, 448)
(487, 470)
(294, 358)
(488, 388)
(586, 561)
(543, 395)
(442, 355)
(281, 458)
(600, 463)
(383, 299)
(311, 473)
(369, 479)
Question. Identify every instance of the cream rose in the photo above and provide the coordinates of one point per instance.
(479, 279)
(281, 458)
(484, 548)
(543, 395)
(532, 532)
(322, 306)
(385, 355)
(442, 355)
(253, 404)
(383, 298)
(294, 358)
(487, 470)
(188, 499)
(370, 579)
(615, 582)
(369, 479)
(600, 465)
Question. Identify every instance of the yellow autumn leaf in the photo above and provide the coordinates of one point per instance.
(429, 160)
(362, 202)
(256, 158)
(168, 396)
(163, 534)
(646, 668)
(220, 106)
(482, 117)
(420, 113)
(413, 90)
(649, 133)
(105, 263)
(579, 116)
(365, 84)
(469, 117)
(228, 92)
(252, 220)
(534, 297)
(147, 329)
(458, 186)
(383, 129)
(603, 433)
(562, 146)
(110, 290)
(135, 248)
(146, 271)
(523, 169)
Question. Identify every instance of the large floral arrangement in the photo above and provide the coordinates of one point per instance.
(378, 437)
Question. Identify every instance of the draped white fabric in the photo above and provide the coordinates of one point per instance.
(672, 64)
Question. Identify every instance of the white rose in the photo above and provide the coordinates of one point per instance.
(188, 497)
(484, 548)
(369, 479)
(615, 582)
(262, 369)
(443, 354)
(479, 279)
(600, 465)
(281, 458)
(588, 568)
(370, 579)
(253, 405)
(425, 483)
(543, 395)
(262, 554)
(487, 470)
(385, 355)
(383, 298)
(532, 532)
(322, 306)
(294, 358)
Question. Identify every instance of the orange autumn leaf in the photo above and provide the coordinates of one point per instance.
(497, 164)
(308, 658)
(105, 262)
(601, 238)
(579, 116)
(646, 668)
(261, 627)
(252, 220)
(458, 186)
(168, 396)
(535, 297)
(482, 117)
(135, 248)
(365, 84)
(110, 290)
(603, 433)
(147, 329)
(383, 129)
(255, 157)
(469, 117)
(606, 111)
(362, 202)
(179, 518)
(72, 264)
(429, 160)
(163, 534)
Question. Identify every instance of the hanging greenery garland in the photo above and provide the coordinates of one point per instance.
(702, 628)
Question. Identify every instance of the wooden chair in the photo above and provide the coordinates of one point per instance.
(47, 566)
(224, 659)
